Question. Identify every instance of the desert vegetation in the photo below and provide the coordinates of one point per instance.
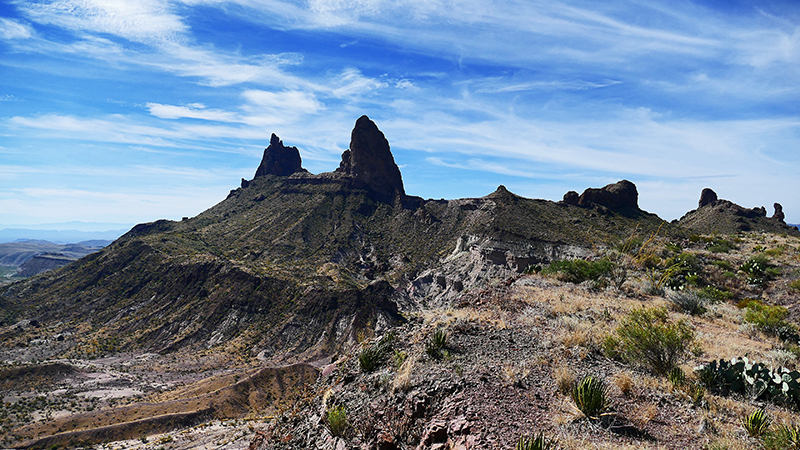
(656, 361)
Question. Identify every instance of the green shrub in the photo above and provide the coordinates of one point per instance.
(646, 337)
(578, 270)
(715, 294)
(757, 423)
(759, 270)
(719, 245)
(795, 285)
(722, 264)
(768, 319)
(399, 358)
(535, 443)
(336, 420)
(673, 247)
(682, 270)
(437, 343)
(590, 396)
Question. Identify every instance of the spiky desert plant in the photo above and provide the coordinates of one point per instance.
(676, 377)
(337, 420)
(590, 396)
(370, 357)
(785, 437)
(756, 423)
(536, 443)
(437, 343)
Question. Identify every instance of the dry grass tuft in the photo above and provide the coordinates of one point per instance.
(402, 381)
(624, 382)
(644, 414)
(565, 379)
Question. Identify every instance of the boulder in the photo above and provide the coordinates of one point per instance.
(707, 197)
(621, 195)
(370, 162)
(279, 160)
(779, 216)
(571, 198)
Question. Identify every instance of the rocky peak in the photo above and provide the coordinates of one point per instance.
(707, 197)
(279, 160)
(779, 215)
(370, 162)
(621, 195)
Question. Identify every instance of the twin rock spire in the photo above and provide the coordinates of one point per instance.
(368, 161)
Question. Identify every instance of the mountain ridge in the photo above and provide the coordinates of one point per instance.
(301, 268)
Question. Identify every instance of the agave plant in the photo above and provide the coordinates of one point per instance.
(437, 343)
(757, 423)
(535, 443)
(590, 396)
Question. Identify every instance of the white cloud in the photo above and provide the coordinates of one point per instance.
(12, 29)
(147, 21)
(193, 111)
(352, 82)
(290, 102)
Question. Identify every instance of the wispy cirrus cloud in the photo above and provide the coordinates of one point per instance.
(12, 29)
(145, 21)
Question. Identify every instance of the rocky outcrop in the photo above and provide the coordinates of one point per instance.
(571, 198)
(370, 162)
(707, 197)
(779, 215)
(716, 215)
(279, 160)
(620, 196)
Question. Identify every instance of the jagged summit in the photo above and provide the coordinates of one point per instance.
(279, 159)
(370, 162)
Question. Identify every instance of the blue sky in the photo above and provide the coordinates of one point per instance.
(116, 111)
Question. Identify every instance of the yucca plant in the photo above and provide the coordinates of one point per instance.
(757, 423)
(372, 356)
(535, 443)
(590, 396)
(437, 343)
(337, 420)
(786, 437)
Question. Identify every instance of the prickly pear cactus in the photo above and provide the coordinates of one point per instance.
(754, 379)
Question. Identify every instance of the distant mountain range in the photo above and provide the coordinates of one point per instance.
(59, 236)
